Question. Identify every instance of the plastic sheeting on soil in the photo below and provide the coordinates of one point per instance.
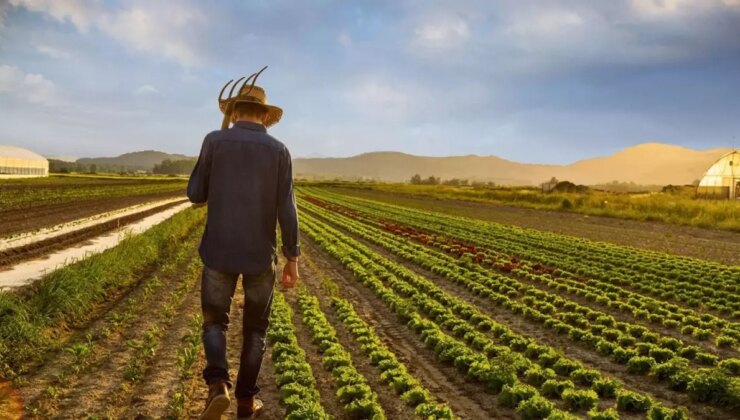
(29, 271)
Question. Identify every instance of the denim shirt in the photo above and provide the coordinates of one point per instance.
(246, 177)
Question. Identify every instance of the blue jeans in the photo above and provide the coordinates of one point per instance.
(217, 292)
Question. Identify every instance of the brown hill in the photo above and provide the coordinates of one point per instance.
(647, 164)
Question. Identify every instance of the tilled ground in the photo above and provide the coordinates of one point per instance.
(467, 400)
(523, 326)
(15, 221)
(15, 255)
(104, 372)
(101, 368)
(709, 244)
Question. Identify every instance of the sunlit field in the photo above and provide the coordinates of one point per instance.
(402, 312)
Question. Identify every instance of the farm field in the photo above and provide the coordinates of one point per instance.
(679, 207)
(712, 244)
(34, 203)
(401, 313)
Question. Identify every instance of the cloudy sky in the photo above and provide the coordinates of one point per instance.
(537, 81)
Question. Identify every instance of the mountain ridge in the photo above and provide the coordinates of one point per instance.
(650, 163)
(145, 159)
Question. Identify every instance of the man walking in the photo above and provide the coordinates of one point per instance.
(244, 175)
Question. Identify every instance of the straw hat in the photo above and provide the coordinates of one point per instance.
(247, 94)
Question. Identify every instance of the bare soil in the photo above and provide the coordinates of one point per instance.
(13, 221)
(534, 330)
(12, 256)
(708, 244)
(324, 381)
(467, 400)
(393, 406)
(64, 387)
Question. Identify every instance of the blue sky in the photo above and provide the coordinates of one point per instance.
(536, 81)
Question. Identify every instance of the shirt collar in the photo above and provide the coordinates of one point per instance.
(250, 126)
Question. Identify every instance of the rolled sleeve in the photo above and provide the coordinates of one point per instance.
(287, 211)
(199, 178)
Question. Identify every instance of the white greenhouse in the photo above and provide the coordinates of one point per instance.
(17, 162)
(722, 180)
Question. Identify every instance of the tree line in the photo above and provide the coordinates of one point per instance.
(456, 182)
(166, 167)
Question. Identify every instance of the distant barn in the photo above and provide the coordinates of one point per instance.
(17, 162)
(722, 180)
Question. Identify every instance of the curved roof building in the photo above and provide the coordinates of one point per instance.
(722, 180)
(20, 162)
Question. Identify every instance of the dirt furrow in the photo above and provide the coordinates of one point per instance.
(13, 256)
(392, 404)
(468, 400)
(119, 321)
(707, 244)
(543, 335)
(150, 397)
(269, 392)
(105, 388)
(324, 381)
(14, 221)
(625, 317)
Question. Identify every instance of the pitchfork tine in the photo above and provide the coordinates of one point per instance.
(232, 88)
(256, 75)
(241, 89)
(220, 95)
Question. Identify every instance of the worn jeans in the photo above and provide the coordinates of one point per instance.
(217, 291)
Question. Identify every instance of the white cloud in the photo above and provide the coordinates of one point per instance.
(53, 52)
(157, 28)
(387, 102)
(545, 23)
(146, 90)
(30, 87)
(445, 32)
(661, 8)
(82, 13)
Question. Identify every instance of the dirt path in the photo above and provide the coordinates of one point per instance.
(467, 400)
(709, 244)
(29, 219)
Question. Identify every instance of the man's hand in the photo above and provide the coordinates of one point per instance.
(290, 274)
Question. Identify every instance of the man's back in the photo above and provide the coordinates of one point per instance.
(245, 176)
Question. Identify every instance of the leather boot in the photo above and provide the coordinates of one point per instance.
(218, 401)
(248, 408)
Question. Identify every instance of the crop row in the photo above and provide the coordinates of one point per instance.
(640, 307)
(597, 331)
(80, 355)
(293, 374)
(503, 289)
(456, 240)
(661, 264)
(187, 356)
(354, 393)
(693, 282)
(25, 196)
(496, 366)
(31, 322)
(393, 373)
